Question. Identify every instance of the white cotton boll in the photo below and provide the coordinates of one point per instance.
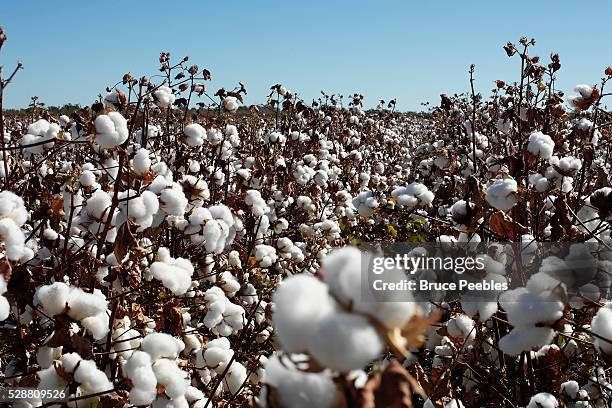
(139, 209)
(502, 194)
(53, 298)
(173, 201)
(540, 145)
(82, 304)
(162, 345)
(163, 96)
(297, 389)
(12, 206)
(138, 369)
(174, 273)
(602, 326)
(234, 259)
(217, 354)
(365, 203)
(570, 389)
(254, 200)
(87, 179)
(236, 376)
(97, 205)
(50, 234)
(171, 377)
(97, 325)
(543, 400)
(412, 195)
(345, 342)
(70, 361)
(525, 338)
(301, 302)
(229, 283)
(91, 379)
(141, 161)
(111, 130)
(46, 355)
(64, 120)
(13, 238)
(461, 326)
(195, 134)
(230, 103)
(342, 269)
(5, 308)
(265, 255)
(540, 183)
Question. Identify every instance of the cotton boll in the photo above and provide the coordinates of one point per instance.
(53, 298)
(230, 103)
(172, 378)
(570, 389)
(138, 369)
(141, 161)
(297, 389)
(412, 195)
(175, 274)
(164, 97)
(462, 327)
(342, 269)
(265, 255)
(98, 204)
(97, 325)
(13, 238)
(540, 183)
(543, 400)
(111, 130)
(69, 361)
(540, 145)
(50, 234)
(254, 200)
(345, 342)
(91, 379)
(162, 345)
(502, 194)
(301, 303)
(139, 209)
(365, 203)
(173, 201)
(524, 338)
(236, 376)
(82, 304)
(602, 326)
(12, 206)
(195, 134)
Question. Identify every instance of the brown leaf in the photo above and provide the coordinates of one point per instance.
(5, 269)
(397, 387)
(82, 346)
(502, 225)
(123, 241)
(61, 334)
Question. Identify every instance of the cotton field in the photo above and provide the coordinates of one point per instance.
(169, 246)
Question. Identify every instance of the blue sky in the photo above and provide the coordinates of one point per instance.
(383, 49)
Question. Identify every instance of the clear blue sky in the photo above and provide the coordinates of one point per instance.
(410, 50)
